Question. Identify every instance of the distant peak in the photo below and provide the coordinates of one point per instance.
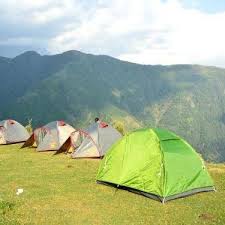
(29, 54)
(72, 52)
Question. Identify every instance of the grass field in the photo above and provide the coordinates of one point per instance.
(60, 190)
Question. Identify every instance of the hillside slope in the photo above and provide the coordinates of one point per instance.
(188, 99)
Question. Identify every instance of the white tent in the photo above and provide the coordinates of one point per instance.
(12, 132)
(96, 140)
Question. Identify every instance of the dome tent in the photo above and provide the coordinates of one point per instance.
(50, 137)
(155, 163)
(96, 140)
(12, 132)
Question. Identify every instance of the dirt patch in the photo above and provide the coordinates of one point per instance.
(207, 216)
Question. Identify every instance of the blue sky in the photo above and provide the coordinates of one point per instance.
(142, 31)
(209, 6)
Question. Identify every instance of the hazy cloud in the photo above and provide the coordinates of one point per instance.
(143, 31)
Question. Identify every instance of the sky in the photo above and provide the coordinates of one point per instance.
(141, 31)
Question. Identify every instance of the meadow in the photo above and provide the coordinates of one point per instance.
(61, 190)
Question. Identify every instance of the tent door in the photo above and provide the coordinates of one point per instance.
(2, 136)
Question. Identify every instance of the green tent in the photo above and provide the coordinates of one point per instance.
(156, 163)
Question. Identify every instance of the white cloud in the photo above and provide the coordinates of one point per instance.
(152, 32)
(143, 31)
(48, 15)
(13, 5)
(38, 11)
(30, 24)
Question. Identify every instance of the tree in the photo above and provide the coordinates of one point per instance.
(29, 126)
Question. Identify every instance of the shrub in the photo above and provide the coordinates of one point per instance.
(29, 126)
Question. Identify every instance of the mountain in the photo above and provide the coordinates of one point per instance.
(76, 87)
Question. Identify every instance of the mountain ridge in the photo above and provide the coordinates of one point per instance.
(77, 52)
(75, 86)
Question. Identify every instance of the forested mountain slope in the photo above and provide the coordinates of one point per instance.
(188, 99)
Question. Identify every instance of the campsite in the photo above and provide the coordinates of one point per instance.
(112, 112)
(59, 190)
(147, 167)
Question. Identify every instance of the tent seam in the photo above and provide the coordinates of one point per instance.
(162, 163)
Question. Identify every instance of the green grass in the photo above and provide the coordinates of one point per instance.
(60, 190)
